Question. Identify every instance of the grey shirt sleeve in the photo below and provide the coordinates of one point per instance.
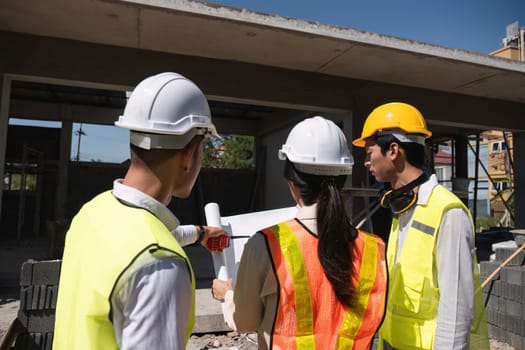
(455, 249)
(152, 303)
(185, 234)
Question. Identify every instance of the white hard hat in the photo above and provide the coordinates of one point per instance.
(317, 146)
(166, 111)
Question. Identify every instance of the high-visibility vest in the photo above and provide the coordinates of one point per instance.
(309, 315)
(413, 294)
(104, 239)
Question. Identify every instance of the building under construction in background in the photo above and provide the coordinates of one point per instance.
(68, 68)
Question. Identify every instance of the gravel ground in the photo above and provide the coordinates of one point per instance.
(234, 341)
(227, 341)
(496, 345)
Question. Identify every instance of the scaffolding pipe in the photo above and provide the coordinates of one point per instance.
(453, 158)
(522, 44)
(26, 153)
(493, 184)
(507, 150)
(476, 175)
(22, 195)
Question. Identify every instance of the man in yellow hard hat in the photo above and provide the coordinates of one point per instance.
(434, 297)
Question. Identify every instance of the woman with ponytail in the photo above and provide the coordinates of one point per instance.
(313, 282)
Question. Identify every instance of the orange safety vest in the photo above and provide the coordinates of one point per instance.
(309, 315)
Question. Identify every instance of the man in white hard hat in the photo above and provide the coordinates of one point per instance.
(125, 280)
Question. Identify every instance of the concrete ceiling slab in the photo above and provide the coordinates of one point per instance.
(91, 21)
(213, 31)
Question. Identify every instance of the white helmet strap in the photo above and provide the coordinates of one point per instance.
(162, 141)
(404, 137)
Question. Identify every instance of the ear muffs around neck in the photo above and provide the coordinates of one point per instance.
(402, 199)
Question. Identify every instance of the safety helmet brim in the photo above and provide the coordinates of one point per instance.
(181, 127)
(400, 135)
(324, 169)
(360, 142)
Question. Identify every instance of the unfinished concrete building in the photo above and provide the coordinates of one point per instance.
(72, 63)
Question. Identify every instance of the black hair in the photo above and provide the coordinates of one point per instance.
(415, 152)
(336, 233)
(159, 155)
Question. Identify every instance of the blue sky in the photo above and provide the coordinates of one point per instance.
(473, 25)
(98, 142)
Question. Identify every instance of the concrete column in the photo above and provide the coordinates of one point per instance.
(519, 179)
(63, 162)
(359, 172)
(5, 94)
(460, 181)
(350, 133)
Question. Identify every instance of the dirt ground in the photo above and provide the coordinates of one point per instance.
(227, 341)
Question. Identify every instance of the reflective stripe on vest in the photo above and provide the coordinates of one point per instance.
(413, 297)
(103, 240)
(309, 316)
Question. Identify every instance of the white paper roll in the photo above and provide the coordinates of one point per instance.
(213, 218)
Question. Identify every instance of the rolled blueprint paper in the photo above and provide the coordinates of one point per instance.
(213, 218)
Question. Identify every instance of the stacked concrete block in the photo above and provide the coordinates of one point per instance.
(38, 295)
(505, 298)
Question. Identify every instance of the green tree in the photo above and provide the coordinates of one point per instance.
(230, 152)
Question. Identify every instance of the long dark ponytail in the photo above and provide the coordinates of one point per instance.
(335, 232)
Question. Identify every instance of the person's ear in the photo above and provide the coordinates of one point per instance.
(294, 191)
(393, 150)
(187, 154)
(191, 152)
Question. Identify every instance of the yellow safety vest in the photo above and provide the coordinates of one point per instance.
(308, 315)
(413, 293)
(104, 239)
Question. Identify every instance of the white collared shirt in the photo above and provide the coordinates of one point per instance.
(151, 302)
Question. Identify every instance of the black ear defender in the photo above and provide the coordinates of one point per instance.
(403, 198)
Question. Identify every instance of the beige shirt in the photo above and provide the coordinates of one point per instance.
(253, 305)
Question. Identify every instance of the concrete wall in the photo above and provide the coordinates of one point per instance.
(276, 192)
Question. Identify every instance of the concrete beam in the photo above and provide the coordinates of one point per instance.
(518, 140)
(243, 81)
(5, 92)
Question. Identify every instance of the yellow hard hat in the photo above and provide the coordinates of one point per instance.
(391, 117)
